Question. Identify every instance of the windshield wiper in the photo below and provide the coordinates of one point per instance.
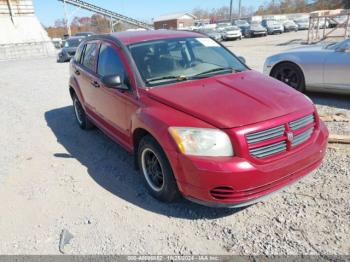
(218, 69)
(177, 78)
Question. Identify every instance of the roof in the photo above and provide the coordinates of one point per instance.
(172, 17)
(141, 36)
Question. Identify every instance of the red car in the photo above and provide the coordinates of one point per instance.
(200, 123)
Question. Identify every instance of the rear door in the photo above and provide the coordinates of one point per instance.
(337, 69)
(87, 82)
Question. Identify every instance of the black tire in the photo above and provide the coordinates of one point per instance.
(156, 171)
(290, 74)
(80, 115)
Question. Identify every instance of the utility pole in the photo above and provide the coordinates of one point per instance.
(239, 9)
(231, 11)
(66, 18)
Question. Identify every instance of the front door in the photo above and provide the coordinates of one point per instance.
(337, 70)
(110, 102)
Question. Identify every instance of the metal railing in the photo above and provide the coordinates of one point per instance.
(107, 13)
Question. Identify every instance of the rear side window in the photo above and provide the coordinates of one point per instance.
(90, 55)
(79, 53)
(109, 62)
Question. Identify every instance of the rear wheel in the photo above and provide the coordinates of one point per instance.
(290, 74)
(80, 115)
(156, 170)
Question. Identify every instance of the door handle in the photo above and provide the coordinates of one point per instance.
(95, 84)
(77, 72)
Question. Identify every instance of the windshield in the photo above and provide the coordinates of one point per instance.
(72, 42)
(241, 23)
(334, 46)
(231, 28)
(170, 60)
(272, 22)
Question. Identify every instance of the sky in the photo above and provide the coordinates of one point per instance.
(49, 10)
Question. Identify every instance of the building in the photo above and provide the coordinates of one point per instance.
(174, 21)
(22, 35)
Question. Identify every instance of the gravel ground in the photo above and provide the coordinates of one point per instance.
(54, 176)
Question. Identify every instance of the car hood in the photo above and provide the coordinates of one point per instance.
(314, 48)
(233, 31)
(257, 28)
(232, 100)
(69, 49)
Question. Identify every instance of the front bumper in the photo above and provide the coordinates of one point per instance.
(232, 36)
(249, 180)
(258, 32)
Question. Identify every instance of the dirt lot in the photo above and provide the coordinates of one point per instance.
(54, 176)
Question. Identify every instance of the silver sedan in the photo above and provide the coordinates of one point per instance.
(324, 68)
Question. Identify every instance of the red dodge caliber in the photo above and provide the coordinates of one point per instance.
(200, 123)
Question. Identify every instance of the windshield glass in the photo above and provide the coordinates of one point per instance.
(241, 23)
(333, 46)
(272, 22)
(170, 60)
(72, 42)
(231, 28)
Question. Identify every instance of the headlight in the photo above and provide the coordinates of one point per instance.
(201, 141)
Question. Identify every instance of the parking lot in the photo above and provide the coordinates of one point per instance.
(55, 176)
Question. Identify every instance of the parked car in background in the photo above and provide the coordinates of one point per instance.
(198, 121)
(255, 29)
(57, 42)
(273, 26)
(338, 21)
(322, 68)
(289, 26)
(303, 24)
(211, 32)
(86, 34)
(231, 33)
(243, 25)
(69, 48)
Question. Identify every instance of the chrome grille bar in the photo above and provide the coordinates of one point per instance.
(299, 123)
(266, 134)
(268, 150)
(301, 138)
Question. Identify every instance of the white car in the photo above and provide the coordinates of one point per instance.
(231, 33)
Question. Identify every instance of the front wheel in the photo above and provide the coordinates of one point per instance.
(290, 74)
(156, 170)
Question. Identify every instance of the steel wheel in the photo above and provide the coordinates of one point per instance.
(152, 169)
(290, 74)
(156, 170)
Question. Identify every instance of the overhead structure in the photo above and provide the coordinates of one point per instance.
(320, 19)
(113, 16)
(22, 35)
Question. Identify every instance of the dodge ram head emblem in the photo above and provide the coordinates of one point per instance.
(290, 136)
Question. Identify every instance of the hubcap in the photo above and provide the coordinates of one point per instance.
(79, 112)
(152, 169)
(288, 76)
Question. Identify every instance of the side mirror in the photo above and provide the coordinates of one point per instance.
(242, 59)
(114, 81)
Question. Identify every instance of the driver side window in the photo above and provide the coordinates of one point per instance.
(109, 62)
